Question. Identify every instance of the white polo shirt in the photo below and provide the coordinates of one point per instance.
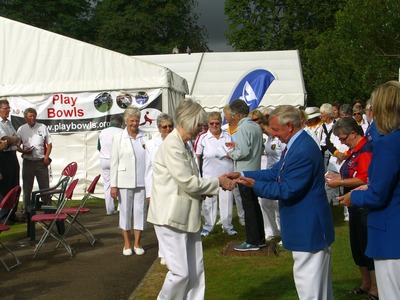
(215, 162)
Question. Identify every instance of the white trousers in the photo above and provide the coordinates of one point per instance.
(238, 201)
(105, 173)
(270, 212)
(388, 278)
(183, 254)
(312, 274)
(132, 208)
(210, 210)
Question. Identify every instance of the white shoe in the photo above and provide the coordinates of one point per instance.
(230, 231)
(241, 221)
(219, 222)
(346, 218)
(162, 261)
(127, 252)
(138, 251)
(114, 212)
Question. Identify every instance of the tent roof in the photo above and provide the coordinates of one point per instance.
(36, 61)
(212, 76)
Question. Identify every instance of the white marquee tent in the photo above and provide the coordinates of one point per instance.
(36, 63)
(212, 76)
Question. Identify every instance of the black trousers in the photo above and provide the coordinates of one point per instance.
(253, 216)
(10, 171)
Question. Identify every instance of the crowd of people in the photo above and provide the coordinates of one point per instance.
(282, 168)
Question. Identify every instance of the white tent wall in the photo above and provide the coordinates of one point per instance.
(212, 76)
(36, 63)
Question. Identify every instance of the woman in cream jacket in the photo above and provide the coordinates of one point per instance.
(175, 205)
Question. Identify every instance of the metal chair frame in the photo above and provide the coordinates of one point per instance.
(74, 212)
(9, 202)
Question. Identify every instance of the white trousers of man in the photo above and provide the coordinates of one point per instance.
(312, 274)
(271, 217)
(183, 254)
(210, 210)
(387, 273)
(132, 208)
(105, 173)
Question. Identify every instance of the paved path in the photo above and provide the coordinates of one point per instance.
(99, 272)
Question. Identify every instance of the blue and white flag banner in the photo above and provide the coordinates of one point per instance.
(252, 87)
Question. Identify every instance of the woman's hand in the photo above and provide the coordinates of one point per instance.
(114, 193)
(333, 183)
(226, 183)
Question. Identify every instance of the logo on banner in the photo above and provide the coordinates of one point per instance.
(252, 87)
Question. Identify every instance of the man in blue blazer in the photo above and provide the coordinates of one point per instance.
(297, 181)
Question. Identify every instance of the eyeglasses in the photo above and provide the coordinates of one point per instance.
(344, 139)
(357, 114)
(167, 126)
(214, 123)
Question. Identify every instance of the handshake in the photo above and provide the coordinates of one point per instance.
(229, 181)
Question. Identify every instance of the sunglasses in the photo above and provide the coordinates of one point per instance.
(167, 126)
(357, 114)
(214, 123)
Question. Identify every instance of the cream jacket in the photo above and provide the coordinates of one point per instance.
(177, 189)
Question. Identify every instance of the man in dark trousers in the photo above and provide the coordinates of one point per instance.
(8, 158)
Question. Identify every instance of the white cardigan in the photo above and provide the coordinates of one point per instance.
(122, 164)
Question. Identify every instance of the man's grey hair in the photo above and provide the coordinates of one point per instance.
(286, 114)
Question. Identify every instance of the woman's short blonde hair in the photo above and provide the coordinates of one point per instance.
(189, 114)
(386, 107)
(131, 111)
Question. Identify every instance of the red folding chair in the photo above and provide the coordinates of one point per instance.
(9, 202)
(73, 213)
(69, 171)
(49, 221)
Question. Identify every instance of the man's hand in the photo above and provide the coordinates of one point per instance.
(345, 199)
(233, 175)
(249, 182)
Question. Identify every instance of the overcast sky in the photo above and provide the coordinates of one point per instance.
(211, 15)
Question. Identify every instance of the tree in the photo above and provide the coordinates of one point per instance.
(277, 24)
(67, 17)
(362, 51)
(264, 25)
(137, 27)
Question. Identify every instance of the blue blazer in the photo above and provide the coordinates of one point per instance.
(383, 198)
(298, 182)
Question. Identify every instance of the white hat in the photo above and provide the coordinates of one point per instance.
(312, 112)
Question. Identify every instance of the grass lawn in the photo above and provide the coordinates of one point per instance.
(253, 277)
(260, 277)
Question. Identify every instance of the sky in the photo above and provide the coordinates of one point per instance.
(211, 15)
